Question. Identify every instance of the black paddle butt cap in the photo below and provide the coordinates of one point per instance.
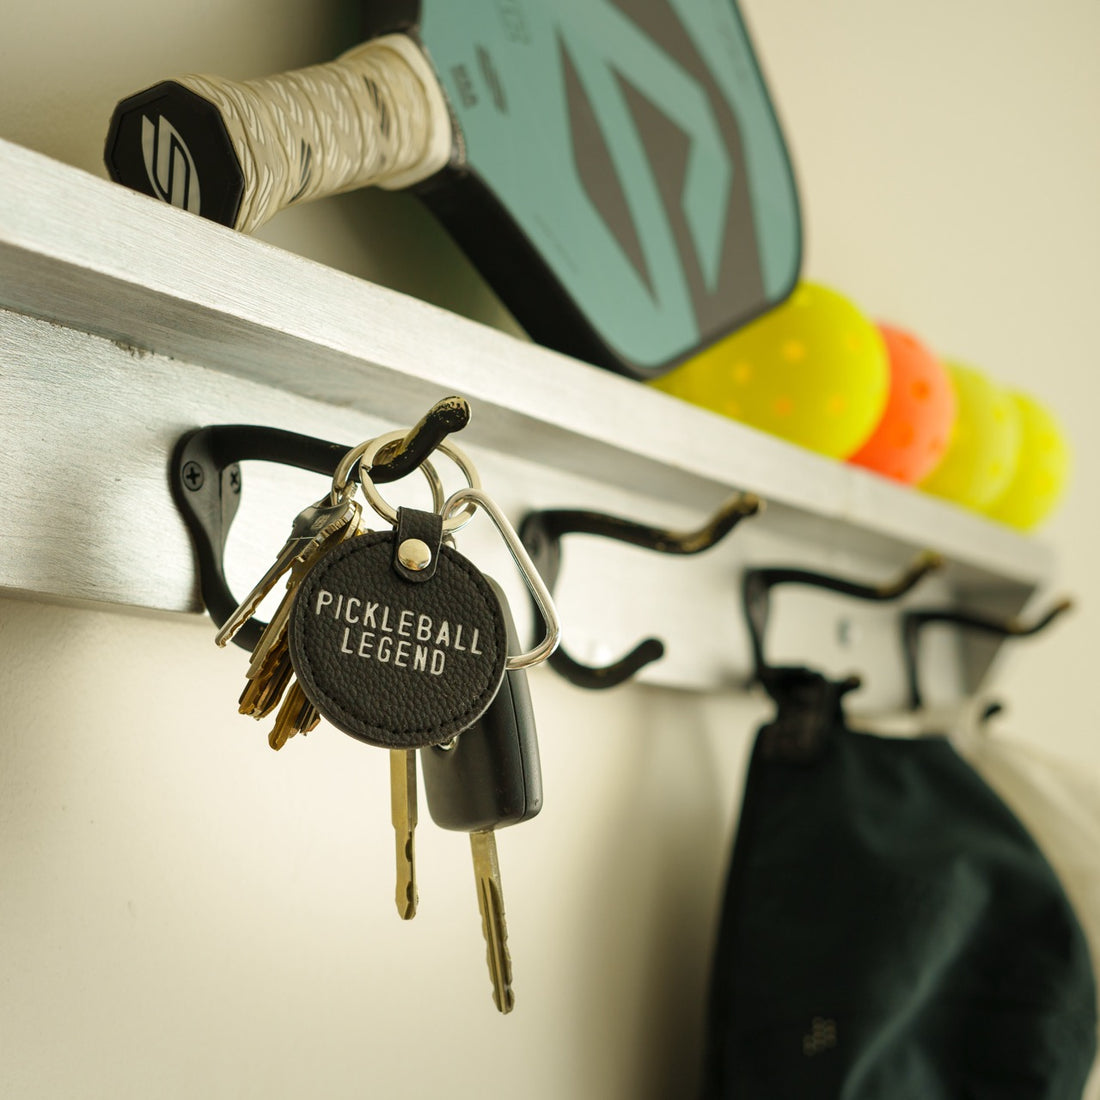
(170, 143)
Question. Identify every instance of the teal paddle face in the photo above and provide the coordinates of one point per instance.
(622, 182)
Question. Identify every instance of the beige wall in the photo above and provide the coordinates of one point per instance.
(186, 914)
(950, 173)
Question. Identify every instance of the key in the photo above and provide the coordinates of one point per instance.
(311, 526)
(487, 778)
(274, 633)
(270, 671)
(296, 715)
(490, 900)
(272, 641)
(403, 814)
(265, 688)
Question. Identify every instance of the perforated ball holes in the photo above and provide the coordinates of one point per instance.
(814, 371)
(1042, 471)
(984, 448)
(912, 435)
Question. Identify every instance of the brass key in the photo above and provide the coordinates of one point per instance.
(403, 814)
(311, 526)
(272, 642)
(490, 900)
(270, 672)
(266, 685)
(489, 777)
(296, 715)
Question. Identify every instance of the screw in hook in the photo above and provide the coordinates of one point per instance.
(193, 476)
(847, 633)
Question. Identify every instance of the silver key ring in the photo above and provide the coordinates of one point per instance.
(343, 487)
(369, 452)
(475, 498)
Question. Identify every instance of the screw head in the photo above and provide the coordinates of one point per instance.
(193, 475)
(848, 633)
(414, 554)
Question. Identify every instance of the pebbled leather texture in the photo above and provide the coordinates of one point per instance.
(397, 664)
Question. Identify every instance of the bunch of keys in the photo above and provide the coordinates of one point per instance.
(398, 640)
(317, 528)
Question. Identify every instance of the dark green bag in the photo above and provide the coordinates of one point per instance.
(890, 930)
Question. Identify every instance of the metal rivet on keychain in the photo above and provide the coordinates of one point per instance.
(414, 554)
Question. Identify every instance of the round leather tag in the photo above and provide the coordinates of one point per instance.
(393, 663)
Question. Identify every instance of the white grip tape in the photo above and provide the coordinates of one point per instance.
(375, 115)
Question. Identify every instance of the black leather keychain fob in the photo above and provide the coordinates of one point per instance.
(397, 639)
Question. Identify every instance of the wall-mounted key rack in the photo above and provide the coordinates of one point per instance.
(126, 323)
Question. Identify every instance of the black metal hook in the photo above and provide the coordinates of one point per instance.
(543, 531)
(205, 478)
(990, 711)
(756, 586)
(913, 622)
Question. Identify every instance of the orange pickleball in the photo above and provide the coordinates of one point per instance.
(915, 428)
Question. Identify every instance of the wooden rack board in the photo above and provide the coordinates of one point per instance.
(126, 322)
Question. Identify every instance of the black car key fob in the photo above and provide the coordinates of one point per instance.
(488, 776)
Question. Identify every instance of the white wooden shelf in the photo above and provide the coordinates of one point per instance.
(127, 322)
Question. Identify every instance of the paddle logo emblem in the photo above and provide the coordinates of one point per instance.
(169, 164)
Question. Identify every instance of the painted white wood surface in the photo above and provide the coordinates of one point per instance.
(95, 257)
(129, 322)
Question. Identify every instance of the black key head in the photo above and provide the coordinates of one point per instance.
(490, 775)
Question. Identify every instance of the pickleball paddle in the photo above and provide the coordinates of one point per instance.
(614, 168)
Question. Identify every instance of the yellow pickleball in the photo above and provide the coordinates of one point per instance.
(1042, 470)
(981, 456)
(813, 370)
